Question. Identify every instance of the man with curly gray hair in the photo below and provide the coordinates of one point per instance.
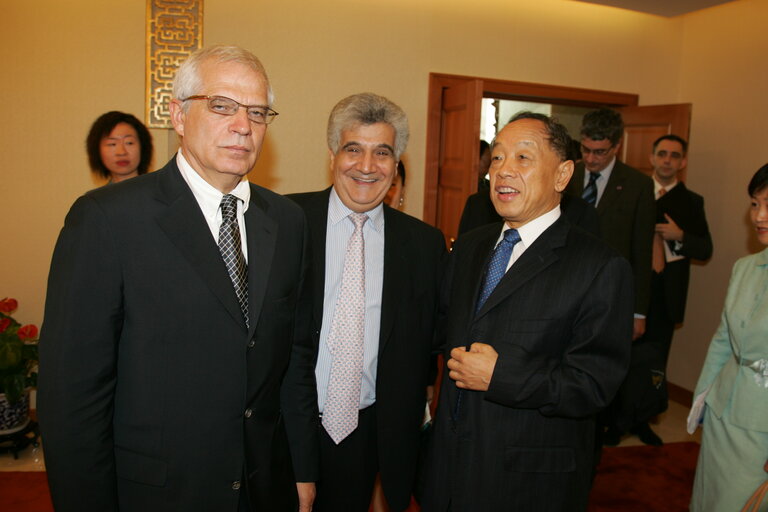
(376, 280)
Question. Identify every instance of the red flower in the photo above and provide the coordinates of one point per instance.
(27, 332)
(8, 305)
(4, 323)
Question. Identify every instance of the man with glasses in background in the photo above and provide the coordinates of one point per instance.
(624, 200)
(176, 366)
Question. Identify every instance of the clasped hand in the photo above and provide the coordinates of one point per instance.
(473, 369)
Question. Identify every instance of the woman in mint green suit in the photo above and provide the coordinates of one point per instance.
(732, 392)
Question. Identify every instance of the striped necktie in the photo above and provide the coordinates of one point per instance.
(590, 191)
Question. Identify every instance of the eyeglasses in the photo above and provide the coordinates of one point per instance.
(597, 152)
(229, 107)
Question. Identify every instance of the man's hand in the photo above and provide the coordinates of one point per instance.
(669, 230)
(307, 494)
(473, 369)
(639, 328)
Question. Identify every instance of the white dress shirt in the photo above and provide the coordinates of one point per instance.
(209, 199)
(338, 231)
(529, 232)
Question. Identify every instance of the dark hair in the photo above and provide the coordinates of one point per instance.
(483, 146)
(574, 150)
(759, 181)
(603, 124)
(673, 138)
(102, 127)
(401, 171)
(557, 134)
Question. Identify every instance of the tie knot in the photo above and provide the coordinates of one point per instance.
(358, 219)
(662, 191)
(228, 207)
(511, 237)
(593, 177)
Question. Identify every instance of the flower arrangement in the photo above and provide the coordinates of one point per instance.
(18, 353)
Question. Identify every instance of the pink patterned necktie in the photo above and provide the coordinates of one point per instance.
(346, 340)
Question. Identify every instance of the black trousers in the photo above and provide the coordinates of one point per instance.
(348, 470)
(643, 394)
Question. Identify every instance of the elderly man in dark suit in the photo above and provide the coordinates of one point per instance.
(682, 233)
(176, 368)
(623, 197)
(376, 283)
(539, 323)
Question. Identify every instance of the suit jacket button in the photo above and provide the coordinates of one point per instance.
(236, 485)
(251, 343)
(248, 413)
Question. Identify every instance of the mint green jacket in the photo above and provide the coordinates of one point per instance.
(736, 366)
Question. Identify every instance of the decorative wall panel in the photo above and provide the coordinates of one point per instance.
(174, 31)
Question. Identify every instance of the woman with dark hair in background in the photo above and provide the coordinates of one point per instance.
(119, 146)
(396, 193)
(732, 393)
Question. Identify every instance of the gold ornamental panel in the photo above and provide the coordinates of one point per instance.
(174, 32)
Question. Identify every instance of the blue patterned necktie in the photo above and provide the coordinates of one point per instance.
(231, 251)
(590, 191)
(497, 267)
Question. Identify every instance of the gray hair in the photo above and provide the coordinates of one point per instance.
(366, 109)
(188, 83)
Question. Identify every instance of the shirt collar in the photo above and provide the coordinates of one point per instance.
(762, 258)
(206, 194)
(658, 186)
(608, 169)
(530, 231)
(338, 211)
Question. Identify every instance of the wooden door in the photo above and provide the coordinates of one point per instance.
(459, 153)
(643, 125)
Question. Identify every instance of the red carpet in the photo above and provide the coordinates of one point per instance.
(24, 491)
(643, 478)
(629, 479)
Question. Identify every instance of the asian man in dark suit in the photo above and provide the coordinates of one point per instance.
(176, 370)
(372, 378)
(682, 234)
(539, 323)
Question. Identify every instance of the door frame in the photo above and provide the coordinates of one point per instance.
(505, 89)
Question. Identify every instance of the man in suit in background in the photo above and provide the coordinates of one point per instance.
(623, 197)
(539, 323)
(682, 233)
(175, 359)
(376, 331)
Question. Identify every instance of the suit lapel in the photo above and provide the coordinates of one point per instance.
(396, 273)
(185, 226)
(534, 260)
(261, 232)
(316, 212)
(613, 188)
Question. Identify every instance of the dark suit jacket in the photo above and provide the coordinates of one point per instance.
(479, 211)
(153, 394)
(686, 208)
(413, 252)
(563, 339)
(627, 219)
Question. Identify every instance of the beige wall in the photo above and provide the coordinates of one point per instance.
(724, 75)
(67, 62)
